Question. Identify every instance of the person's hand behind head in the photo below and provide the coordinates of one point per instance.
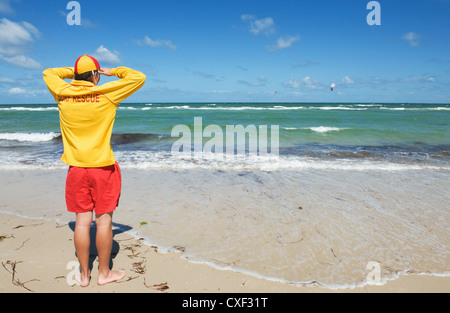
(105, 71)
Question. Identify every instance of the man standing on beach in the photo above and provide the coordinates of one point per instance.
(87, 113)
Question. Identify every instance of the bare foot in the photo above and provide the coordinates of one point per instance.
(110, 278)
(83, 280)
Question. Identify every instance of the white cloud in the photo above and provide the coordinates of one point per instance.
(310, 83)
(5, 80)
(283, 43)
(412, 39)
(257, 26)
(16, 91)
(27, 93)
(306, 82)
(147, 41)
(422, 78)
(32, 29)
(347, 81)
(22, 61)
(15, 39)
(266, 26)
(292, 83)
(104, 55)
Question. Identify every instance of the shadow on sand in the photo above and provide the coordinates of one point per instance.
(117, 229)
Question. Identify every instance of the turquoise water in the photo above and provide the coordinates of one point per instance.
(399, 133)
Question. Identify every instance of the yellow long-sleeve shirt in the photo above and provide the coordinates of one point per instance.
(87, 113)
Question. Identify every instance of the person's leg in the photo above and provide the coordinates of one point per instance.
(82, 241)
(104, 245)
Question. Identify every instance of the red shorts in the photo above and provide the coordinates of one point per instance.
(95, 189)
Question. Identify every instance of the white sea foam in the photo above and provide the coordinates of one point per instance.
(280, 107)
(128, 108)
(214, 107)
(338, 108)
(147, 160)
(163, 160)
(175, 107)
(324, 129)
(416, 109)
(29, 109)
(440, 109)
(31, 137)
(398, 109)
(368, 105)
(229, 108)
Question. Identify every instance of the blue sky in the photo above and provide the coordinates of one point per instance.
(236, 50)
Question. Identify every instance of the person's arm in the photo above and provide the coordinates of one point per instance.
(130, 81)
(53, 77)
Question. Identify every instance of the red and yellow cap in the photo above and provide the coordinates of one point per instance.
(86, 63)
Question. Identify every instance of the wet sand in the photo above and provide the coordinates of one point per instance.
(37, 233)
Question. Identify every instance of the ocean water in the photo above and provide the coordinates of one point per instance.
(325, 135)
(352, 185)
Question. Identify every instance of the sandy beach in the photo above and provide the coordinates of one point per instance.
(36, 256)
(265, 148)
(37, 253)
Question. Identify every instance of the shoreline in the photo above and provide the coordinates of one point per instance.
(42, 265)
(172, 211)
